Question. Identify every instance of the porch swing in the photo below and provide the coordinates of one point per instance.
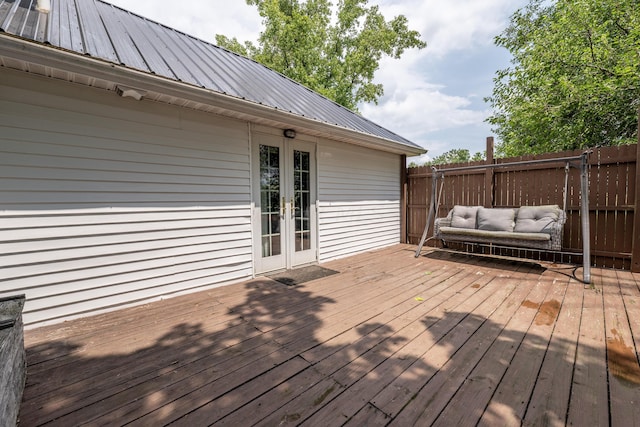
(532, 227)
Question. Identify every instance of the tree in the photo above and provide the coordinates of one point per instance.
(456, 155)
(574, 80)
(336, 56)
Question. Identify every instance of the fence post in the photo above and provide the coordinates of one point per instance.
(488, 176)
(584, 214)
(635, 244)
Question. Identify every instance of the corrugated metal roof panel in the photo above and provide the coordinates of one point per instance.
(104, 31)
(97, 41)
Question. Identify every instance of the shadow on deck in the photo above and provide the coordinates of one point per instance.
(392, 340)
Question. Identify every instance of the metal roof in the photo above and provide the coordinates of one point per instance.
(106, 32)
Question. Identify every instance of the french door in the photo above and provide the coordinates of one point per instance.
(285, 202)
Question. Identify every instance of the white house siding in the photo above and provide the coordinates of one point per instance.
(107, 201)
(358, 199)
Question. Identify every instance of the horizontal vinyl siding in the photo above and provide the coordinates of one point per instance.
(106, 201)
(359, 200)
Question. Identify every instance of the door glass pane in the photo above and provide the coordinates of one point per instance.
(270, 199)
(302, 197)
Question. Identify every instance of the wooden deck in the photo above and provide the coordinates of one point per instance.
(444, 339)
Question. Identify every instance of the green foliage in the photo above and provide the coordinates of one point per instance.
(336, 57)
(478, 157)
(456, 155)
(575, 78)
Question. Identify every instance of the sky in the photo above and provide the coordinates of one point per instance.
(433, 97)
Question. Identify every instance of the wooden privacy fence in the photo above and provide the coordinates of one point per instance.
(614, 182)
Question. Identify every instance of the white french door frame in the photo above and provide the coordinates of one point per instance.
(285, 220)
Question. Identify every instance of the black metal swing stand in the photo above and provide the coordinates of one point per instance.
(581, 162)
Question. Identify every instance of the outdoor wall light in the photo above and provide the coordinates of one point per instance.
(289, 133)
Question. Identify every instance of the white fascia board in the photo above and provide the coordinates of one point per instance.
(49, 56)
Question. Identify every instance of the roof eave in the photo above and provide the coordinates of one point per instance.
(33, 52)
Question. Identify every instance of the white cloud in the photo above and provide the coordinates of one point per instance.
(414, 107)
(453, 25)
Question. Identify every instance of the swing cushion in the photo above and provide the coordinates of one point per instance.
(464, 216)
(536, 227)
(496, 219)
(537, 219)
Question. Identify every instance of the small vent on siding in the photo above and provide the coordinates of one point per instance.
(130, 92)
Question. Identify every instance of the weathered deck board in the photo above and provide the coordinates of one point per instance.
(510, 401)
(437, 393)
(630, 292)
(444, 339)
(392, 398)
(589, 386)
(624, 372)
(469, 403)
(550, 399)
(378, 378)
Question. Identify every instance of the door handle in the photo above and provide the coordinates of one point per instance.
(283, 206)
(293, 205)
